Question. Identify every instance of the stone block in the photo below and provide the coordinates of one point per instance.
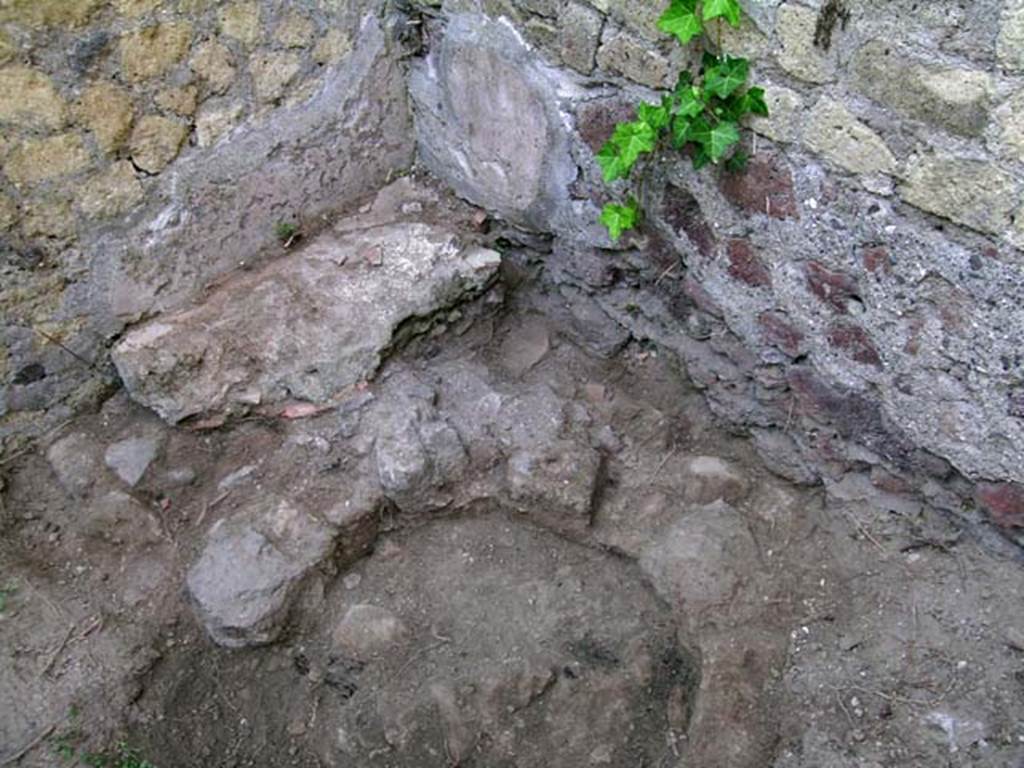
(152, 51)
(835, 134)
(956, 100)
(112, 193)
(212, 61)
(49, 13)
(107, 111)
(799, 56)
(39, 160)
(974, 193)
(181, 101)
(156, 141)
(295, 30)
(241, 20)
(272, 73)
(341, 308)
(214, 121)
(1011, 126)
(579, 34)
(633, 57)
(1010, 43)
(28, 99)
(785, 108)
(332, 47)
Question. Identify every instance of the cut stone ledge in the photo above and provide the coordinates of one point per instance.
(307, 326)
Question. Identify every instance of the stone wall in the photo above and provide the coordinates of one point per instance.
(853, 299)
(150, 146)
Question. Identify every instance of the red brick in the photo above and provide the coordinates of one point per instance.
(855, 342)
(833, 288)
(597, 120)
(876, 260)
(777, 330)
(682, 211)
(1003, 501)
(766, 186)
(746, 266)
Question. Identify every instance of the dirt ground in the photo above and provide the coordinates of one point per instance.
(711, 615)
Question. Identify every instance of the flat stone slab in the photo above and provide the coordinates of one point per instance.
(306, 326)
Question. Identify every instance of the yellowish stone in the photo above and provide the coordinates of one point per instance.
(50, 217)
(212, 61)
(111, 193)
(156, 141)
(7, 49)
(334, 46)
(8, 213)
(43, 159)
(135, 8)
(152, 51)
(29, 99)
(214, 122)
(296, 30)
(242, 22)
(107, 111)
(181, 101)
(48, 13)
(272, 73)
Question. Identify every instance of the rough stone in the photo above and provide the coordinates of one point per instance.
(974, 193)
(625, 54)
(8, 218)
(368, 630)
(1010, 44)
(49, 217)
(273, 72)
(117, 518)
(43, 159)
(800, 57)
(75, 459)
(480, 79)
(135, 8)
(28, 99)
(212, 61)
(556, 484)
(130, 458)
(835, 134)
(7, 48)
(153, 51)
(765, 186)
(332, 47)
(181, 101)
(957, 100)
(785, 108)
(707, 479)
(698, 563)
(241, 21)
(579, 35)
(342, 313)
(296, 30)
(526, 347)
(49, 13)
(156, 141)
(1003, 501)
(252, 567)
(112, 193)
(1011, 123)
(746, 266)
(215, 121)
(107, 111)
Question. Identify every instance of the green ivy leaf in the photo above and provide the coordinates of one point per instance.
(619, 218)
(690, 101)
(632, 140)
(753, 101)
(728, 9)
(700, 157)
(722, 136)
(611, 163)
(655, 115)
(681, 19)
(728, 75)
(738, 161)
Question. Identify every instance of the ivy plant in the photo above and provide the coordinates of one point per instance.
(700, 116)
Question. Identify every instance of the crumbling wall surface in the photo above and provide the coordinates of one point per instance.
(150, 146)
(853, 299)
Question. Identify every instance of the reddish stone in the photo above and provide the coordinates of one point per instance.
(833, 288)
(888, 482)
(766, 186)
(876, 259)
(853, 340)
(596, 120)
(701, 298)
(682, 211)
(746, 266)
(780, 332)
(1003, 501)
